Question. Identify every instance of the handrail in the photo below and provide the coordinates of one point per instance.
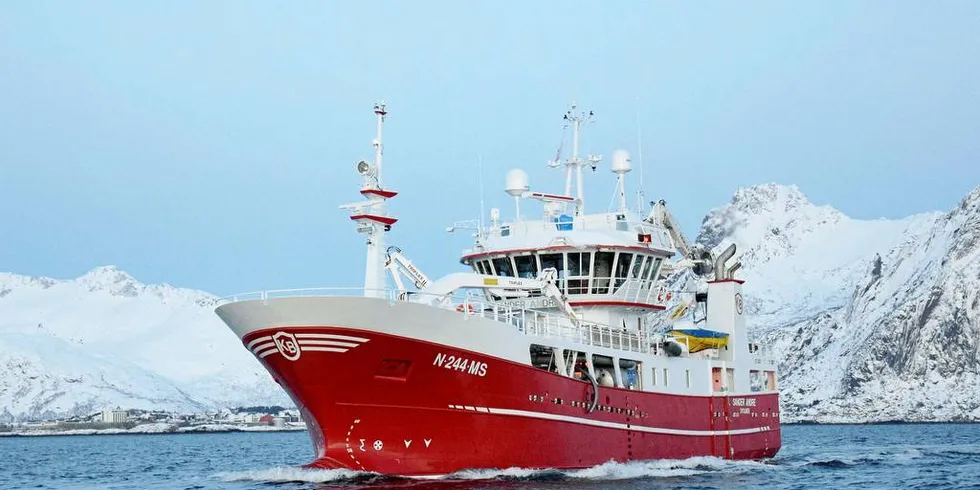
(528, 321)
(597, 222)
(317, 291)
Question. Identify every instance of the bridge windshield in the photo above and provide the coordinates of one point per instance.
(579, 272)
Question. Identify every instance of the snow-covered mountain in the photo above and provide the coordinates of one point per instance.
(872, 320)
(105, 340)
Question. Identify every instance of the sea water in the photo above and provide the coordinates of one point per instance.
(829, 456)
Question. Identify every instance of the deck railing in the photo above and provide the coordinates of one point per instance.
(528, 321)
(599, 222)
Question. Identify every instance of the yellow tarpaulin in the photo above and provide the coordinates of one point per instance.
(700, 339)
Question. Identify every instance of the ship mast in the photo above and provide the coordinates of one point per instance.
(370, 215)
(574, 163)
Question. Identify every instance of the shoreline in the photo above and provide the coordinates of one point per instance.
(155, 429)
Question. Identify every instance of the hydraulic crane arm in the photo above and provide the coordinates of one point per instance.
(694, 256)
(398, 263)
(660, 216)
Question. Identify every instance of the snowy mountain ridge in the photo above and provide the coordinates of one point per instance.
(104, 339)
(872, 320)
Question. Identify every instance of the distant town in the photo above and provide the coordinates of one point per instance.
(134, 421)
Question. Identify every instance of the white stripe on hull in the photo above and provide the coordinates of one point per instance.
(610, 425)
(257, 340)
(330, 336)
(334, 343)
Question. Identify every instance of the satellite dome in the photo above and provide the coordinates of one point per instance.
(621, 162)
(517, 182)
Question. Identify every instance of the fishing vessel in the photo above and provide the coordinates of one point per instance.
(553, 347)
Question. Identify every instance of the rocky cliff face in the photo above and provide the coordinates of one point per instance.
(872, 320)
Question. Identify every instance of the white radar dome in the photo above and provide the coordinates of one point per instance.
(620, 162)
(517, 182)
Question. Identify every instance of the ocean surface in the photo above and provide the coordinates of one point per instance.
(877, 456)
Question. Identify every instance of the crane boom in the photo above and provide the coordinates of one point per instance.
(399, 263)
(659, 215)
(696, 256)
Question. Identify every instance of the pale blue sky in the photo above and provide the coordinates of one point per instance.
(208, 144)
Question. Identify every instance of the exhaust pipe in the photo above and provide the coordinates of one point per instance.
(720, 262)
(731, 270)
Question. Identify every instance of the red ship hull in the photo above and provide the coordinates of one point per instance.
(400, 406)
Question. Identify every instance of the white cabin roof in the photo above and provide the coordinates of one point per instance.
(605, 230)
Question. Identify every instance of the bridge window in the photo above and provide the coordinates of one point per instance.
(637, 266)
(480, 268)
(603, 271)
(622, 268)
(579, 265)
(527, 266)
(647, 267)
(655, 269)
(553, 260)
(503, 266)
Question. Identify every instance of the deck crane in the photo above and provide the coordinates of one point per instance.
(697, 257)
(396, 262)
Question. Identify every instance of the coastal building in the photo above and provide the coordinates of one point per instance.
(115, 416)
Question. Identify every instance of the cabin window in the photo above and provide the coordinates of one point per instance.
(622, 268)
(637, 264)
(731, 379)
(647, 268)
(527, 267)
(605, 375)
(666, 379)
(579, 265)
(503, 267)
(654, 270)
(603, 272)
(556, 261)
(653, 377)
(687, 377)
(631, 373)
(479, 267)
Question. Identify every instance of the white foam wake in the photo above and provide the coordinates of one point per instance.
(286, 474)
(612, 470)
(606, 471)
